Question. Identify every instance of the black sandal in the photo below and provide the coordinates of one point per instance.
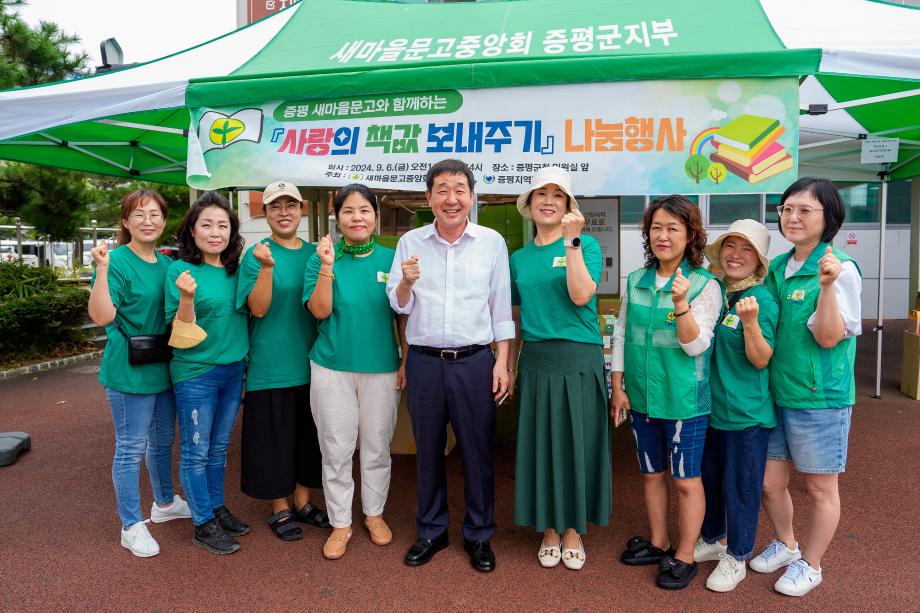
(315, 516)
(640, 552)
(284, 525)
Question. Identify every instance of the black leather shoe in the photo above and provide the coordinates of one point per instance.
(481, 556)
(673, 574)
(640, 552)
(229, 522)
(424, 549)
(215, 539)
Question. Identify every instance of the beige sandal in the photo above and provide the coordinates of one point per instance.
(379, 530)
(336, 544)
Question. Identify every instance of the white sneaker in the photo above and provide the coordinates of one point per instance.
(177, 509)
(727, 575)
(707, 552)
(798, 580)
(138, 541)
(775, 556)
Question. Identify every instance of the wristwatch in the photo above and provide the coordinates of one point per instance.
(573, 242)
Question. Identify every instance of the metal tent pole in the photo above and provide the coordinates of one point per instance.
(879, 327)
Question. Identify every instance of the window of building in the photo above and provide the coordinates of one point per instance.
(726, 208)
(631, 209)
(772, 216)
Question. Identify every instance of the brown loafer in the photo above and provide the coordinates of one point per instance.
(379, 530)
(336, 543)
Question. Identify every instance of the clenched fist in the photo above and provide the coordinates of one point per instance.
(186, 284)
(572, 224)
(263, 253)
(747, 309)
(410, 270)
(100, 255)
(326, 251)
(679, 287)
(828, 267)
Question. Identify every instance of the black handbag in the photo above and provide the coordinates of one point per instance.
(147, 348)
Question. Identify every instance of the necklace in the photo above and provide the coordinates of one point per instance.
(355, 250)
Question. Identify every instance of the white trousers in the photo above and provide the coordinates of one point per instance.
(348, 407)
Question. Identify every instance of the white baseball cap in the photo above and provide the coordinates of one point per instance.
(275, 190)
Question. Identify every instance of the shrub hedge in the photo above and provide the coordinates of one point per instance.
(42, 322)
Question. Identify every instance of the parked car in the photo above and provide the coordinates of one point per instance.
(9, 254)
(169, 251)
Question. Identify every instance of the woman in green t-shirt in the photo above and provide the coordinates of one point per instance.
(127, 299)
(562, 474)
(208, 376)
(280, 455)
(354, 385)
(742, 417)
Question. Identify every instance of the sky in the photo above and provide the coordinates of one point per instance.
(145, 29)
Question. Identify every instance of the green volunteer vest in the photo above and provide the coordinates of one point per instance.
(804, 375)
(661, 380)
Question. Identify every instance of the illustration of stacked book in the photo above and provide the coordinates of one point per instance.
(747, 147)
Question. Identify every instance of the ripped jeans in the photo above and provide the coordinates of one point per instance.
(207, 406)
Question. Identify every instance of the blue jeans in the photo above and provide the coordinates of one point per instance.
(145, 426)
(733, 467)
(207, 407)
(680, 440)
(816, 440)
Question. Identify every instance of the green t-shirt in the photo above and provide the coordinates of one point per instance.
(741, 393)
(215, 312)
(280, 342)
(538, 285)
(136, 289)
(358, 336)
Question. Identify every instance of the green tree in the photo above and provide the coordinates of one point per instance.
(717, 172)
(52, 200)
(696, 167)
(33, 55)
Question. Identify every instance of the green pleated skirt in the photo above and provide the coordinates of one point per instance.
(562, 475)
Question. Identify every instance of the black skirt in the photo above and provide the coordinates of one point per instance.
(279, 444)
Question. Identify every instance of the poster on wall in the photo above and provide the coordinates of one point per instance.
(602, 221)
(259, 9)
(633, 138)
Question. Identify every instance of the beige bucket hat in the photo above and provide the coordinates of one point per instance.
(753, 232)
(545, 176)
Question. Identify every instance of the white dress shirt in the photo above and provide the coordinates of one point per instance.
(463, 294)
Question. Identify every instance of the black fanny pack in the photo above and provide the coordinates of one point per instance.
(147, 348)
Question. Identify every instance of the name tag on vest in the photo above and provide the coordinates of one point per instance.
(559, 262)
(731, 321)
(382, 277)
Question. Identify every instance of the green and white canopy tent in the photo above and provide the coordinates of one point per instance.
(859, 58)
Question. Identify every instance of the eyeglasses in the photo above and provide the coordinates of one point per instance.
(288, 207)
(154, 217)
(802, 212)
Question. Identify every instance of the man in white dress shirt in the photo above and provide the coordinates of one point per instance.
(452, 279)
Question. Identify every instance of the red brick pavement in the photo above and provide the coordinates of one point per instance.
(59, 545)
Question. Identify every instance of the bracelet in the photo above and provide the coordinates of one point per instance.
(682, 313)
(327, 274)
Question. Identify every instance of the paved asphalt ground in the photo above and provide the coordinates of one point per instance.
(59, 544)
